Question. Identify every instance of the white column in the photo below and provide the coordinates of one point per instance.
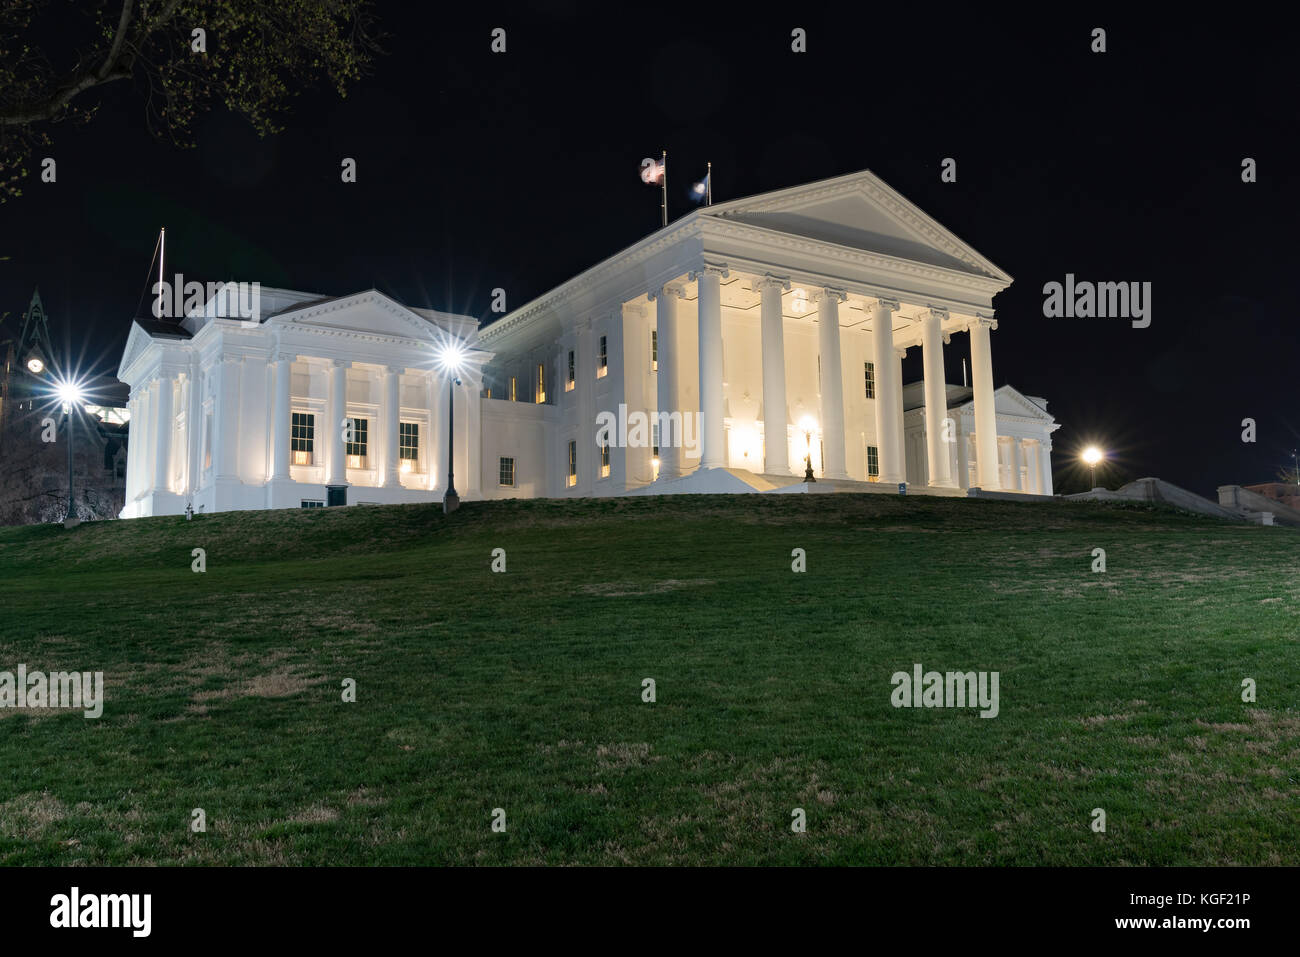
(585, 400)
(776, 415)
(963, 460)
(986, 427)
(936, 397)
(713, 446)
(900, 353)
(1045, 467)
(1017, 461)
(889, 412)
(435, 457)
(334, 425)
(226, 425)
(832, 384)
(135, 447)
(473, 487)
(668, 399)
(162, 479)
(281, 427)
(391, 414)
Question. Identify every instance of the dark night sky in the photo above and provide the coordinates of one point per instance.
(520, 170)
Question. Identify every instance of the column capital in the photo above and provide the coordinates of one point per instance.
(341, 363)
(631, 309)
(675, 288)
(935, 312)
(830, 292)
(227, 359)
(284, 357)
(901, 352)
(769, 281)
(710, 269)
(394, 370)
(889, 305)
(982, 320)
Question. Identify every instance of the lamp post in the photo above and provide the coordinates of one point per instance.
(808, 425)
(1091, 456)
(452, 359)
(70, 394)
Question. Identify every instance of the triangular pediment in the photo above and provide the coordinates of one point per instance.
(370, 313)
(859, 211)
(137, 342)
(1009, 400)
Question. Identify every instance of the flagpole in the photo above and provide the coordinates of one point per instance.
(663, 179)
(708, 186)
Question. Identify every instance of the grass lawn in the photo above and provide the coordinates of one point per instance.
(523, 691)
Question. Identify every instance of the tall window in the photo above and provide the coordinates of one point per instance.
(541, 382)
(873, 459)
(602, 358)
(514, 388)
(508, 472)
(654, 350)
(654, 439)
(302, 437)
(573, 371)
(408, 445)
(573, 465)
(604, 459)
(356, 450)
(207, 439)
(871, 379)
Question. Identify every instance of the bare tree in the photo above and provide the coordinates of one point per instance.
(184, 56)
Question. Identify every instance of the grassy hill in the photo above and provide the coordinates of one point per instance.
(523, 690)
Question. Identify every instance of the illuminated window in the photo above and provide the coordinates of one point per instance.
(207, 440)
(312, 503)
(302, 437)
(871, 379)
(514, 388)
(356, 450)
(654, 350)
(604, 459)
(573, 465)
(541, 383)
(507, 474)
(408, 445)
(602, 358)
(654, 439)
(873, 460)
(569, 382)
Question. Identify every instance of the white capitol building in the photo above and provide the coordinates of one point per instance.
(773, 327)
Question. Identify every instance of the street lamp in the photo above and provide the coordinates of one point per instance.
(808, 426)
(35, 365)
(452, 360)
(70, 394)
(1091, 456)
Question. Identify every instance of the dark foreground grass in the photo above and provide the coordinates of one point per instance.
(523, 690)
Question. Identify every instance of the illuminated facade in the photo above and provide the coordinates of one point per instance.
(727, 352)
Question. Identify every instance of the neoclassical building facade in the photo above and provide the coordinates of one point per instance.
(730, 351)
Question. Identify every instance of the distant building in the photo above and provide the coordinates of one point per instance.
(1288, 493)
(33, 433)
(754, 338)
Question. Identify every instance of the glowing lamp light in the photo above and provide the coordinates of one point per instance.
(35, 366)
(406, 465)
(1091, 456)
(452, 357)
(69, 393)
